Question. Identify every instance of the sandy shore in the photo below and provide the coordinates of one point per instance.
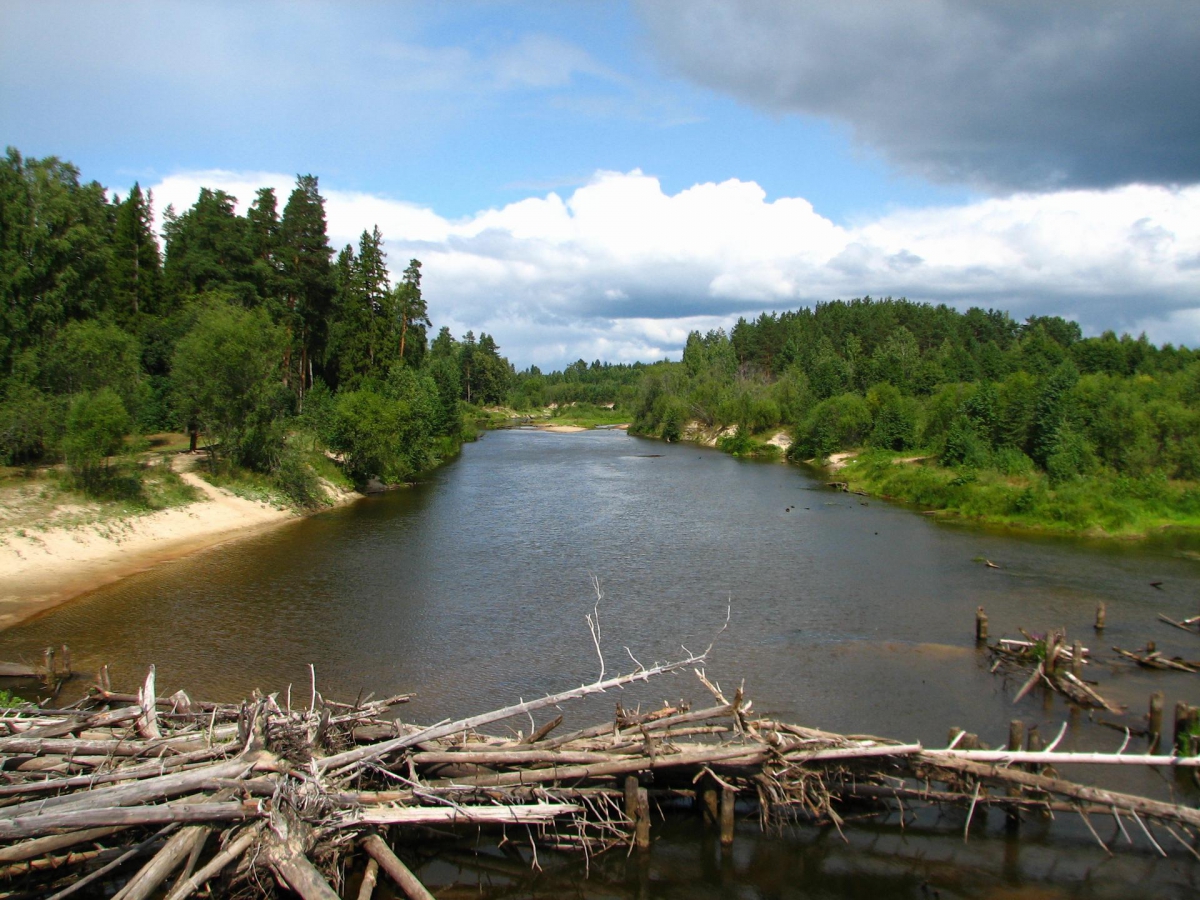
(42, 569)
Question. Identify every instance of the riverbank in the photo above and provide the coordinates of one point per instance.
(46, 564)
(1098, 507)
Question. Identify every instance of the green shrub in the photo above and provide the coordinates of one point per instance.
(96, 427)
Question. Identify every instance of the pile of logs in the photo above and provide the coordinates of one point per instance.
(149, 796)
(1053, 662)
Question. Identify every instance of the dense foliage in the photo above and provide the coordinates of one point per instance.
(244, 331)
(1031, 408)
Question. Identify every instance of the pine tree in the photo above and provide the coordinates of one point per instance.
(207, 249)
(307, 278)
(262, 237)
(136, 262)
(412, 310)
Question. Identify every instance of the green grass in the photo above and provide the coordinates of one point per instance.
(747, 446)
(1100, 505)
(9, 700)
(248, 485)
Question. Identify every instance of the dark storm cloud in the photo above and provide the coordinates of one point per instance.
(1026, 94)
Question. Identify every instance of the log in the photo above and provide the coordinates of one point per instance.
(232, 851)
(747, 755)
(513, 814)
(129, 854)
(52, 844)
(1088, 794)
(1181, 625)
(367, 886)
(70, 820)
(294, 870)
(396, 870)
(145, 791)
(1043, 757)
(58, 729)
(375, 751)
(162, 864)
(127, 773)
(543, 731)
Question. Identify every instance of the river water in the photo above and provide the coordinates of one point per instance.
(471, 590)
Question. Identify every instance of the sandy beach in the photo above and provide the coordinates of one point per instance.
(45, 568)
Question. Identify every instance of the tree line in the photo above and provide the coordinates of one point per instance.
(976, 389)
(245, 331)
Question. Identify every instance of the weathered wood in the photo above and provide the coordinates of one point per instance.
(513, 814)
(1156, 719)
(70, 820)
(126, 773)
(540, 733)
(367, 886)
(133, 852)
(728, 798)
(375, 751)
(1186, 625)
(162, 864)
(1112, 799)
(631, 789)
(396, 870)
(58, 729)
(148, 723)
(52, 844)
(743, 755)
(1062, 758)
(295, 870)
(641, 828)
(1101, 616)
(231, 852)
(145, 791)
(981, 626)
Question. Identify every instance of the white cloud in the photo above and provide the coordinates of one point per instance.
(621, 270)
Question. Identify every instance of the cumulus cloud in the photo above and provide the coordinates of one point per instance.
(1017, 95)
(621, 270)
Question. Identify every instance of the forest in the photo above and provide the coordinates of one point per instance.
(1025, 423)
(246, 332)
(288, 362)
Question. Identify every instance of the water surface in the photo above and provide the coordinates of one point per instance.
(471, 589)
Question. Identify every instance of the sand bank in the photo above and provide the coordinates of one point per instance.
(44, 568)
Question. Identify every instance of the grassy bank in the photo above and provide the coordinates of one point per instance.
(1110, 505)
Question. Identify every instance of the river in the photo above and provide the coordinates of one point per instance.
(471, 590)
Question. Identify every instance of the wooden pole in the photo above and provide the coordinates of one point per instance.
(727, 818)
(1179, 738)
(709, 797)
(1100, 616)
(631, 789)
(1156, 717)
(397, 871)
(642, 828)
(1077, 659)
(1016, 738)
(981, 626)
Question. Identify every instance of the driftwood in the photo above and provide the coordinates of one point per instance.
(241, 794)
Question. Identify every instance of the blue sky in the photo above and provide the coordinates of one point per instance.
(593, 179)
